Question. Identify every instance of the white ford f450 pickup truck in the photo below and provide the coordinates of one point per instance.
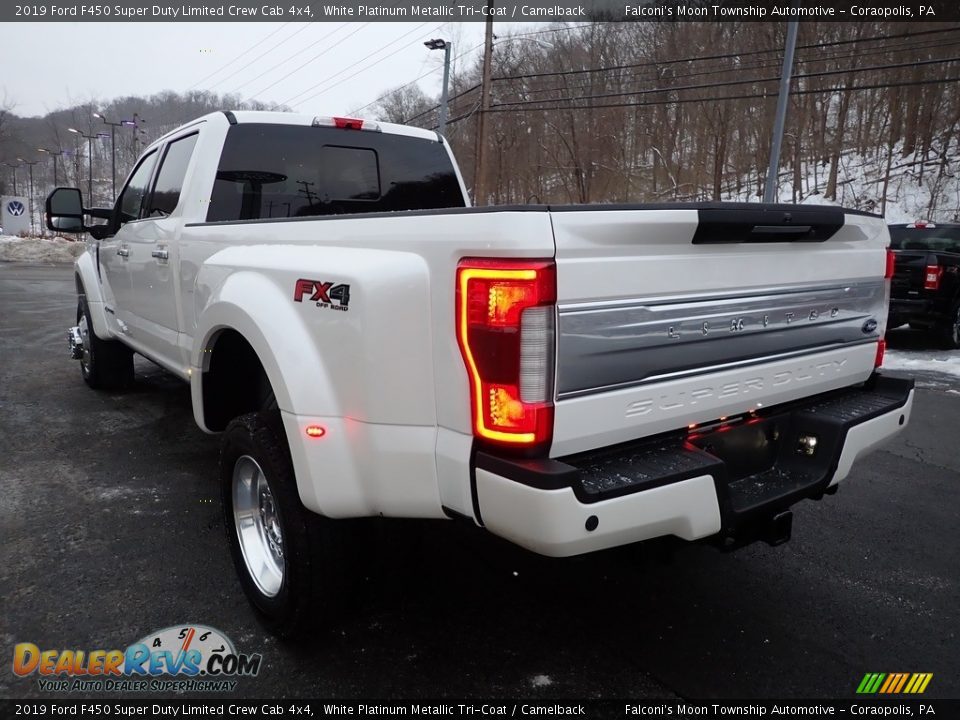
(570, 378)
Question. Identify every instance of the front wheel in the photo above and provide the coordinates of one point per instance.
(950, 332)
(292, 563)
(104, 364)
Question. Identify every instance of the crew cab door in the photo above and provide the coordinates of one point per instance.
(154, 260)
(115, 250)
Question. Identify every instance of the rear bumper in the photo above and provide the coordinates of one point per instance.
(921, 311)
(727, 481)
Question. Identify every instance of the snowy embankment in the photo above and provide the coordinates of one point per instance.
(39, 250)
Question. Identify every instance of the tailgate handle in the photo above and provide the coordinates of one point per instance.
(718, 225)
(780, 230)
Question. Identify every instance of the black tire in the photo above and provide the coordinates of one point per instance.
(950, 331)
(317, 578)
(106, 364)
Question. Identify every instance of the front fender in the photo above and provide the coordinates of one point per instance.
(88, 284)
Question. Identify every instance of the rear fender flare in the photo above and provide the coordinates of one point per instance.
(278, 337)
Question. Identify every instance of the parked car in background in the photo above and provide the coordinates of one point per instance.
(926, 282)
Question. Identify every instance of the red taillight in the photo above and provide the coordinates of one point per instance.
(891, 264)
(505, 325)
(881, 349)
(931, 277)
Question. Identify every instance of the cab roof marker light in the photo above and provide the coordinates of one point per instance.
(345, 123)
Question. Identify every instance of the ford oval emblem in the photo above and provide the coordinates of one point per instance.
(869, 326)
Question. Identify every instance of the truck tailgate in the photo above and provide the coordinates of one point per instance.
(672, 315)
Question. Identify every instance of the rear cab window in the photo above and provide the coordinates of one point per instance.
(930, 238)
(289, 171)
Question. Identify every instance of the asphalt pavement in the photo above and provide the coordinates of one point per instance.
(111, 530)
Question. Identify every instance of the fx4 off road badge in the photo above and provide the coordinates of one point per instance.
(335, 296)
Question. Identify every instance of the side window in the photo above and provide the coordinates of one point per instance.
(132, 196)
(173, 169)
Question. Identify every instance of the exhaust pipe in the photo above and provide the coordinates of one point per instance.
(76, 343)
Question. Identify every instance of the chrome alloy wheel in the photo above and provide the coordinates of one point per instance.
(258, 526)
(85, 339)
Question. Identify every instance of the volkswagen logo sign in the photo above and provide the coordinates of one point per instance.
(15, 208)
(869, 326)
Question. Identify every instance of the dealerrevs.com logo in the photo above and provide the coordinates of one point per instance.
(178, 659)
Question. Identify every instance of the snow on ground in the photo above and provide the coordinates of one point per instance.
(943, 363)
(42, 250)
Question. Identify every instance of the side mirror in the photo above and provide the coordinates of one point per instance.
(64, 210)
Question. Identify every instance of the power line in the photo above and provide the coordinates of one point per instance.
(437, 107)
(694, 59)
(420, 77)
(222, 67)
(299, 52)
(727, 70)
(751, 96)
(824, 73)
(365, 68)
(457, 57)
(658, 63)
(263, 54)
(303, 65)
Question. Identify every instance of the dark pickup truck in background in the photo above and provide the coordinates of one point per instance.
(925, 291)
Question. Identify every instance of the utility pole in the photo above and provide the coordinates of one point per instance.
(479, 172)
(770, 188)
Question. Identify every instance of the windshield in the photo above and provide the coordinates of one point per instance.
(931, 239)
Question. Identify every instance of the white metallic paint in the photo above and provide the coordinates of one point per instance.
(553, 522)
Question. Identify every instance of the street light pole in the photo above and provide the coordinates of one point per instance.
(113, 152)
(770, 188)
(11, 165)
(444, 109)
(54, 154)
(90, 139)
(30, 164)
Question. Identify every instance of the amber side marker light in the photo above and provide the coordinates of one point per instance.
(316, 431)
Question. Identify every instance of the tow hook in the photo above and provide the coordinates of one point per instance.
(76, 343)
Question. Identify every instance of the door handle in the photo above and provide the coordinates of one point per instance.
(161, 254)
(123, 251)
